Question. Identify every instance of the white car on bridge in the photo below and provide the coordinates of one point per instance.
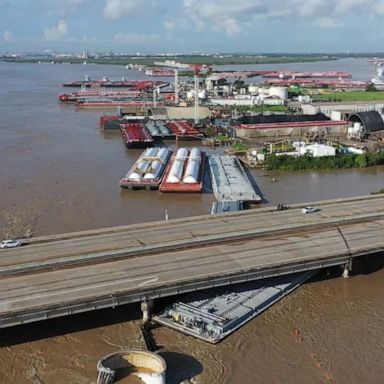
(310, 210)
(10, 244)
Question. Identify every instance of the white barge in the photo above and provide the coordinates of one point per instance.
(148, 170)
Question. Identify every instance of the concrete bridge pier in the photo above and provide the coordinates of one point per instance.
(146, 307)
(347, 269)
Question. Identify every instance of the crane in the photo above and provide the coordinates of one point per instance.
(197, 68)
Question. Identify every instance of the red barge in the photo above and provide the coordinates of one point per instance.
(184, 130)
(184, 172)
(135, 135)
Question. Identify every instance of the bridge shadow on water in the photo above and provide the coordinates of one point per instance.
(363, 265)
(68, 324)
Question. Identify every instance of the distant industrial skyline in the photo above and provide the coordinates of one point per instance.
(153, 26)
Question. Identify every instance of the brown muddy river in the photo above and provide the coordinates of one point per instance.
(59, 173)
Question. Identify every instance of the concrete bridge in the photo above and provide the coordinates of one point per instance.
(71, 273)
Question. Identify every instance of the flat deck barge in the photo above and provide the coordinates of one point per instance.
(184, 172)
(230, 182)
(135, 135)
(213, 314)
(148, 170)
(133, 85)
(107, 104)
(184, 130)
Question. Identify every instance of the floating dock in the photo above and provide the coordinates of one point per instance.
(135, 135)
(184, 172)
(213, 314)
(148, 170)
(230, 181)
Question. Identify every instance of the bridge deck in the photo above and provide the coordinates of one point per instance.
(263, 243)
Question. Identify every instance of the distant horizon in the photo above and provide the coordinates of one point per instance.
(108, 52)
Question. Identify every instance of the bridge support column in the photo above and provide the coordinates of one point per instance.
(347, 269)
(146, 307)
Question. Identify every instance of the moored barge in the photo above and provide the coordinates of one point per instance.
(135, 135)
(184, 172)
(148, 170)
(184, 130)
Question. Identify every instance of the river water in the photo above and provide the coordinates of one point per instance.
(60, 173)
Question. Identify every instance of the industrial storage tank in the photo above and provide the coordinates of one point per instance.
(372, 121)
(280, 92)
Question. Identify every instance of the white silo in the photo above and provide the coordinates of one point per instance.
(280, 92)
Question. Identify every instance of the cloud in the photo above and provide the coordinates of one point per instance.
(234, 17)
(116, 9)
(57, 32)
(135, 38)
(7, 35)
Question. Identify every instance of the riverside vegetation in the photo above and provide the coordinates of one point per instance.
(341, 161)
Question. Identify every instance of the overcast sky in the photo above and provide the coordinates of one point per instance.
(151, 26)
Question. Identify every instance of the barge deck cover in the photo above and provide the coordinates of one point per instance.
(230, 181)
(213, 314)
(148, 170)
(194, 185)
(135, 135)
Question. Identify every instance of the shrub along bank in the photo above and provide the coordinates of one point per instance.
(341, 161)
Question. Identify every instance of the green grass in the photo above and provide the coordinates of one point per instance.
(352, 96)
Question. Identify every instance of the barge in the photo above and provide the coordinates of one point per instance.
(134, 85)
(148, 170)
(135, 135)
(82, 95)
(184, 130)
(159, 130)
(106, 104)
(213, 314)
(230, 182)
(184, 172)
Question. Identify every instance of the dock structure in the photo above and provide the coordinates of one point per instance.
(230, 182)
(71, 273)
(213, 314)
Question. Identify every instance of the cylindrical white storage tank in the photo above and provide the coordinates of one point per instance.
(280, 92)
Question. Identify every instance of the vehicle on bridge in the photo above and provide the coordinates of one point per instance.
(10, 243)
(310, 210)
